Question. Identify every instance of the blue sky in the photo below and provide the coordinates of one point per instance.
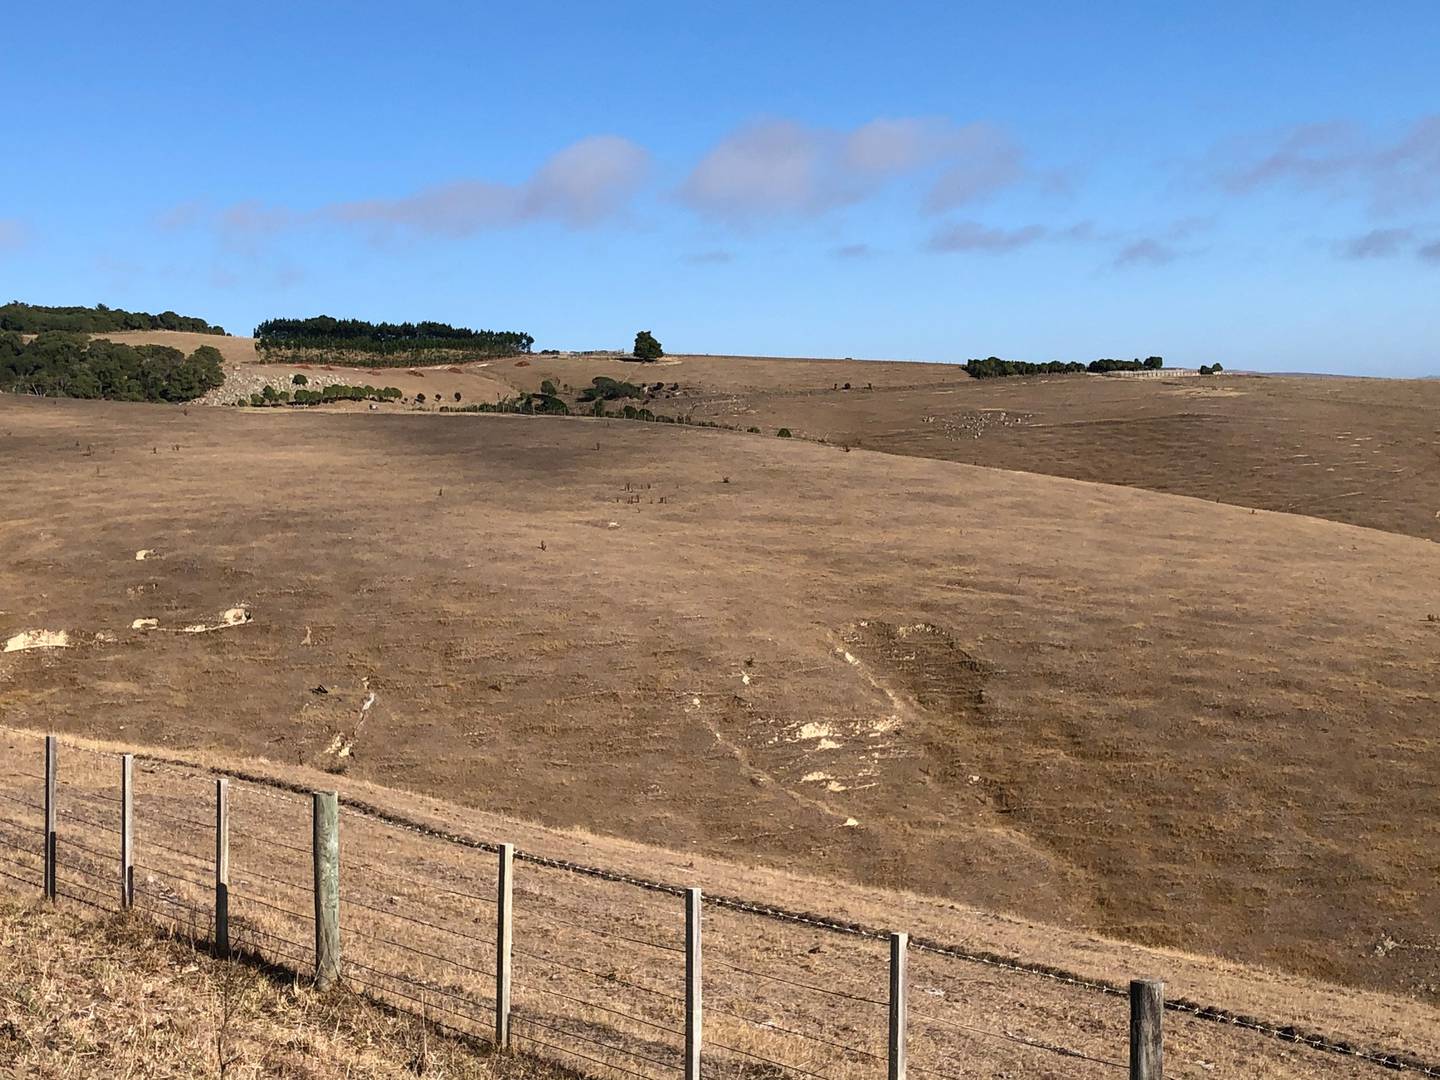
(1257, 185)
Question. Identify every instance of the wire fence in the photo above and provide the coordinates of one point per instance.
(589, 967)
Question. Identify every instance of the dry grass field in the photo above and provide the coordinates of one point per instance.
(598, 968)
(1164, 720)
(93, 998)
(1359, 451)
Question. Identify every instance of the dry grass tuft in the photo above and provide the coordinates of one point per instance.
(85, 996)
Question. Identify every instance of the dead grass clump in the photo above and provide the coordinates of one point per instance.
(92, 996)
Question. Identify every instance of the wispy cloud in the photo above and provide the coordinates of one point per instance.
(580, 186)
(778, 167)
(972, 236)
(1341, 158)
(1429, 252)
(852, 251)
(710, 258)
(1161, 246)
(1147, 251)
(1377, 243)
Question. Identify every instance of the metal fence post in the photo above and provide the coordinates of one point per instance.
(1147, 1008)
(899, 981)
(127, 832)
(222, 868)
(504, 935)
(325, 854)
(51, 750)
(694, 1022)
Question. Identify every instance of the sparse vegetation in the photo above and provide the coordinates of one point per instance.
(784, 433)
(38, 318)
(1211, 369)
(64, 364)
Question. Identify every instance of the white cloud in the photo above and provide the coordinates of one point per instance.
(777, 167)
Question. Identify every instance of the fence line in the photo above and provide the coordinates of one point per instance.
(217, 911)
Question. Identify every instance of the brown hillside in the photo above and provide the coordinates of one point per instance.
(1174, 722)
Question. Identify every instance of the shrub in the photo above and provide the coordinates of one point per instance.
(299, 380)
(457, 395)
(546, 387)
(753, 430)
(420, 399)
(784, 433)
(603, 388)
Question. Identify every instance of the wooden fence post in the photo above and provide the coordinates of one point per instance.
(127, 832)
(1147, 1008)
(899, 982)
(325, 854)
(51, 749)
(504, 935)
(222, 868)
(694, 1016)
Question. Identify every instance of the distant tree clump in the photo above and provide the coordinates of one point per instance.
(58, 363)
(992, 367)
(646, 347)
(784, 433)
(356, 341)
(1100, 367)
(604, 388)
(1211, 369)
(37, 318)
(299, 380)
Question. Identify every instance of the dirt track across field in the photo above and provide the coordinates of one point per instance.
(1166, 720)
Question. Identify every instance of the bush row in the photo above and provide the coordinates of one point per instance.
(323, 396)
(61, 364)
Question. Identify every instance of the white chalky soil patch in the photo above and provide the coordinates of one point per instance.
(37, 639)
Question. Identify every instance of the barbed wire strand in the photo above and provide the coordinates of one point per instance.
(602, 1008)
(771, 1026)
(417, 921)
(595, 1042)
(799, 984)
(768, 1061)
(594, 974)
(1023, 1040)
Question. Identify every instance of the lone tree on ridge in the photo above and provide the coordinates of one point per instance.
(646, 347)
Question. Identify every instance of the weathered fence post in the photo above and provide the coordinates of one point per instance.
(899, 981)
(325, 853)
(127, 832)
(694, 1015)
(222, 868)
(51, 748)
(1147, 1008)
(504, 935)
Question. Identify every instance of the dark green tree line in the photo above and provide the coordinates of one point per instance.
(36, 319)
(61, 364)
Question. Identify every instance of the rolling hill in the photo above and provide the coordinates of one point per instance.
(1175, 722)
